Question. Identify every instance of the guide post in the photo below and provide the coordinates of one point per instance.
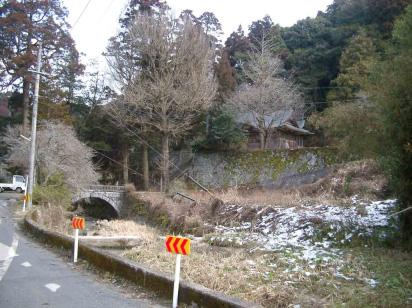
(180, 246)
(77, 223)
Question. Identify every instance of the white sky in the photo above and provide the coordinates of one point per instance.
(100, 20)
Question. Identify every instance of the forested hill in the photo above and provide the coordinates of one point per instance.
(312, 48)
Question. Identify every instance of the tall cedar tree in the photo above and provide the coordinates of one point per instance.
(226, 76)
(238, 46)
(23, 25)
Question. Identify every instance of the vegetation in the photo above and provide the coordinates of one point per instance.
(24, 25)
(170, 83)
(348, 65)
(267, 92)
(59, 153)
(390, 86)
(225, 133)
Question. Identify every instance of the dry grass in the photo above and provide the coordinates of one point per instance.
(228, 272)
(176, 214)
(126, 228)
(362, 178)
(129, 187)
(54, 218)
(277, 279)
(260, 197)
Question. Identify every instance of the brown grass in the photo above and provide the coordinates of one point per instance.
(362, 178)
(129, 187)
(126, 228)
(226, 272)
(176, 214)
(54, 218)
(252, 276)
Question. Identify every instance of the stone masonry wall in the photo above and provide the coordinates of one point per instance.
(269, 169)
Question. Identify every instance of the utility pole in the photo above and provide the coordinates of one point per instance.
(29, 191)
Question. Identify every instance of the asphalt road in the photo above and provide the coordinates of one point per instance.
(33, 277)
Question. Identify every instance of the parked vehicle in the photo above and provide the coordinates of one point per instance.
(18, 184)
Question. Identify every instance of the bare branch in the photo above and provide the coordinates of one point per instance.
(268, 97)
(58, 151)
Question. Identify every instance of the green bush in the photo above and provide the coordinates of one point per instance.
(225, 133)
(54, 193)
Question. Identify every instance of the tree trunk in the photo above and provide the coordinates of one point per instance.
(165, 161)
(126, 155)
(262, 140)
(26, 100)
(145, 167)
(207, 122)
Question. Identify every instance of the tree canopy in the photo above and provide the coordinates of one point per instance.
(25, 24)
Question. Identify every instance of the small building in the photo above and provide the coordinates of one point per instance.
(287, 130)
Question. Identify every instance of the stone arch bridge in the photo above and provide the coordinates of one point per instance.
(112, 195)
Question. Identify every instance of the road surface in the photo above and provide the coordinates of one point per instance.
(33, 277)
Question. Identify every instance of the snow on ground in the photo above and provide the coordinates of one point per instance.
(309, 234)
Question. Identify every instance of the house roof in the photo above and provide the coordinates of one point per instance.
(274, 119)
(299, 131)
(280, 119)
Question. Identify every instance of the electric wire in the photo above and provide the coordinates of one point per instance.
(160, 154)
(119, 163)
(104, 14)
(81, 14)
(341, 87)
(113, 160)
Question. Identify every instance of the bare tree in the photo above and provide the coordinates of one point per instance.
(267, 96)
(57, 151)
(173, 81)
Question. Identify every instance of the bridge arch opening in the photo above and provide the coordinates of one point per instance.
(96, 207)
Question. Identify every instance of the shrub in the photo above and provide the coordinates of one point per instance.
(54, 194)
(225, 133)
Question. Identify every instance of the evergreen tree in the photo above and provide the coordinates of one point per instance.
(23, 25)
(211, 26)
(356, 64)
(391, 87)
(237, 47)
(225, 132)
(226, 76)
(384, 12)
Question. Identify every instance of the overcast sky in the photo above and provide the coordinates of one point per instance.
(100, 19)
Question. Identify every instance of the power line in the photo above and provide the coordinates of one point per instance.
(104, 14)
(160, 154)
(81, 14)
(336, 101)
(113, 160)
(343, 87)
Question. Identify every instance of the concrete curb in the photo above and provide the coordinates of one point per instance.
(115, 242)
(189, 293)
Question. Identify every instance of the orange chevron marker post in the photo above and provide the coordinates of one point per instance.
(179, 246)
(77, 223)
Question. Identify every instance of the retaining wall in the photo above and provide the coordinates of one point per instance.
(269, 169)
